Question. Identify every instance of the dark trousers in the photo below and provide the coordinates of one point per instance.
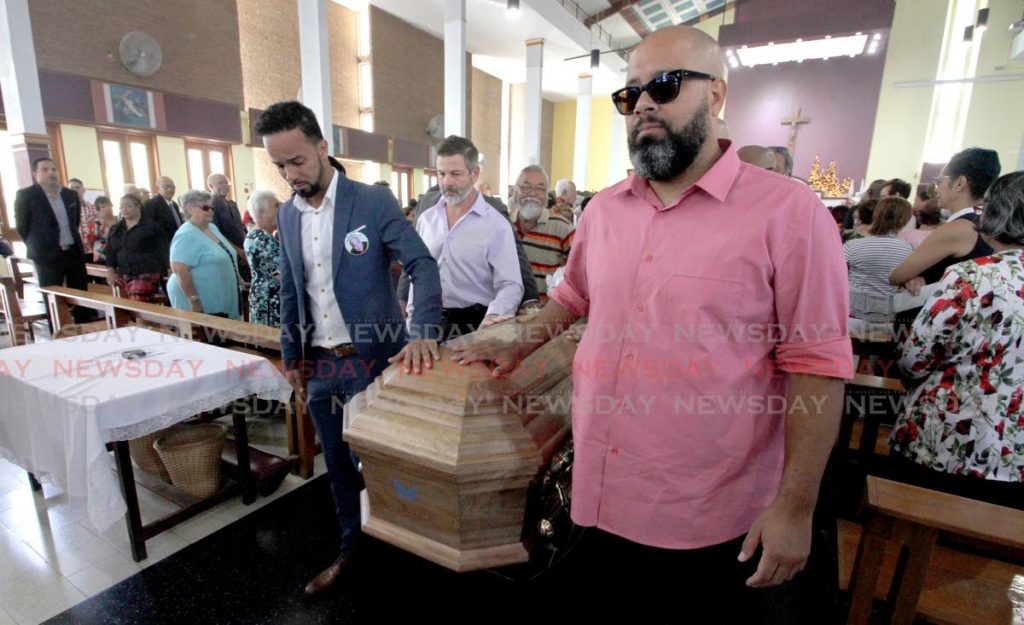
(458, 321)
(332, 383)
(67, 268)
(642, 584)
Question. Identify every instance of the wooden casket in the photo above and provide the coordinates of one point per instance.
(448, 455)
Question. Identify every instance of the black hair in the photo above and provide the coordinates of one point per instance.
(899, 187)
(283, 116)
(979, 166)
(35, 163)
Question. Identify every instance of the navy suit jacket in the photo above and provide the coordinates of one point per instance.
(37, 226)
(362, 283)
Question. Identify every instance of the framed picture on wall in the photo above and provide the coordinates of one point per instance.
(129, 106)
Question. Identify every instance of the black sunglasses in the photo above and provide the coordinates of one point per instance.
(662, 89)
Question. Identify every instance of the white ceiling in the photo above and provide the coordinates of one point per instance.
(498, 44)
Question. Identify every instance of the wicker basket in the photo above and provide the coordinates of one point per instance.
(145, 455)
(192, 457)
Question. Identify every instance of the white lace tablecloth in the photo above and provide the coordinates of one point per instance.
(62, 401)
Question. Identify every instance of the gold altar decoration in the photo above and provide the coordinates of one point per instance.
(828, 181)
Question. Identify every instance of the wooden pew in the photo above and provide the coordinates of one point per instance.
(234, 334)
(21, 270)
(18, 314)
(916, 516)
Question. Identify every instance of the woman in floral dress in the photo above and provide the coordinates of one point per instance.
(263, 251)
(963, 430)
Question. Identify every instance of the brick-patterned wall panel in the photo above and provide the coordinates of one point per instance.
(343, 37)
(269, 37)
(199, 40)
(485, 129)
(408, 77)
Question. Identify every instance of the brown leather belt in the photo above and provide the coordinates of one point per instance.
(340, 351)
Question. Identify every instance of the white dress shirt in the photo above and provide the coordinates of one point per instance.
(476, 258)
(329, 327)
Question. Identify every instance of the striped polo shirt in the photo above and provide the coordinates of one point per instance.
(870, 260)
(547, 246)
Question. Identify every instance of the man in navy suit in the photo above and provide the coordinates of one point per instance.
(340, 320)
(47, 216)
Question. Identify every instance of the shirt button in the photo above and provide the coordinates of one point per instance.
(322, 290)
(325, 316)
(614, 451)
(630, 356)
(318, 264)
(639, 307)
(648, 258)
(316, 238)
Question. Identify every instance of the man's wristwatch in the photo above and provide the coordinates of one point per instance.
(193, 298)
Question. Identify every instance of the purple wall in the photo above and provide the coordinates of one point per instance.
(202, 118)
(839, 95)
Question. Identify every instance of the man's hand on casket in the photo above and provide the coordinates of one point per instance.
(505, 356)
(417, 354)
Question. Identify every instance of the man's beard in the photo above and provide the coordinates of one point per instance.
(314, 186)
(461, 196)
(531, 204)
(666, 158)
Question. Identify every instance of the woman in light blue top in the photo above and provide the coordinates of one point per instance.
(204, 264)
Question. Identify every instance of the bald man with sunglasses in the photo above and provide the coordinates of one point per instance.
(709, 381)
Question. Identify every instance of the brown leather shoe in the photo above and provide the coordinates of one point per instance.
(329, 576)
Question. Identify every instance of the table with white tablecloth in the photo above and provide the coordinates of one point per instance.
(62, 401)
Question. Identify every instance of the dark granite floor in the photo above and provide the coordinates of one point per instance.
(254, 570)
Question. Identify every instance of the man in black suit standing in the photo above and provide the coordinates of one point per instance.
(162, 210)
(47, 216)
(226, 216)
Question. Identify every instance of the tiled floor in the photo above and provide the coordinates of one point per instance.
(52, 558)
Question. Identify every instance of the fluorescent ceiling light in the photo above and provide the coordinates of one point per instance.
(826, 48)
(512, 9)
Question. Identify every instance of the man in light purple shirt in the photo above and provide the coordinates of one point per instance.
(473, 243)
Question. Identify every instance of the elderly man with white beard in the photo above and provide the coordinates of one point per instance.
(545, 238)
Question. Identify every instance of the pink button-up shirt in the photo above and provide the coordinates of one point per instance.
(698, 311)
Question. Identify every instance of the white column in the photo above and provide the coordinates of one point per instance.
(617, 163)
(581, 151)
(506, 122)
(455, 67)
(534, 99)
(316, 64)
(19, 80)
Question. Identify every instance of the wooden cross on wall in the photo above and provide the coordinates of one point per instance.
(793, 122)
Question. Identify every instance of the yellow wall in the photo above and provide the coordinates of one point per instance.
(712, 25)
(996, 119)
(563, 142)
(82, 155)
(602, 116)
(901, 122)
(170, 154)
(244, 173)
(601, 112)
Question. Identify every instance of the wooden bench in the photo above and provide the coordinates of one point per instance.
(21, 270)
(19, 315)
(230, 333)
(915, 516)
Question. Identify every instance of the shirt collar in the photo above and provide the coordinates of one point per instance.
(716, 181)
(328, 202)
(970, 210)
(479, 206)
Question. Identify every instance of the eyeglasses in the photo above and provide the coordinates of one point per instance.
(663, 89)
(206, 207)
(532, 190)
(938, 179)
